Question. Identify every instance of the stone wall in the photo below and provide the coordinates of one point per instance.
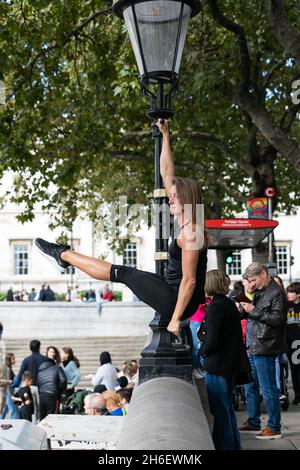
(64, 319)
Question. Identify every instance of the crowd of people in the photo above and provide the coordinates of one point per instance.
(47, 384)
(261, 318)
(46, 294)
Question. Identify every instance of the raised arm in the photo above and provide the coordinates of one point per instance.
(167, 169)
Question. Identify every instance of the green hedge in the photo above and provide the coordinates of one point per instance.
(118, 295)
(2, 296)
(61, 297)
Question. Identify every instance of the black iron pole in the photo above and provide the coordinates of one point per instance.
(159, 198)
(159, 265)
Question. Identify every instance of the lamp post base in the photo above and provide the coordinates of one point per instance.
(163, 358)
(160, 342)
(153, 367)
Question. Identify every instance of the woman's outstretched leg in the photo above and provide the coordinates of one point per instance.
(148, 287)
(95, 268)
(61, 256)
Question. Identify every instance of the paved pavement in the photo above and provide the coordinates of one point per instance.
(290, 440)
(290, 425)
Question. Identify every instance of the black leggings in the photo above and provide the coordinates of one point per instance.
(151, 289)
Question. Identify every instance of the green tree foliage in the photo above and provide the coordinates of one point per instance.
(74, 129)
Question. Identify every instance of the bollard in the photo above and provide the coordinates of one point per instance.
(165, 414)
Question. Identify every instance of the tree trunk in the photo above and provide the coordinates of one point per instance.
(221, 260)
(283, 29)
(260, 252)
(276, 137)
(263, 176)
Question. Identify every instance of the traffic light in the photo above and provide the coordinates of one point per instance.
(228, 257)
(292, 260)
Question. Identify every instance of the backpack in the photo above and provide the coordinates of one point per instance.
(75, 403)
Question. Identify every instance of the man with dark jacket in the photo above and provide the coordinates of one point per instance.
(49, 295)
(10, 295)
(51, 381)
(31, 363)
(265, 335)
(41, 294)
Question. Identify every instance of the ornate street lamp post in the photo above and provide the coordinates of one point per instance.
(157, 31)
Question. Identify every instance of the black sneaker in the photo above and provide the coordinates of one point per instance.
(52, 252)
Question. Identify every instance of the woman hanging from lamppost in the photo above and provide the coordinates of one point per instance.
(177, 296)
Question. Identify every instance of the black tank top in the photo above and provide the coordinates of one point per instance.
(174, 268)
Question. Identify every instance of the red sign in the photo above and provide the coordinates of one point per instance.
(240, 224)
(270, 191)
(238, 233)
